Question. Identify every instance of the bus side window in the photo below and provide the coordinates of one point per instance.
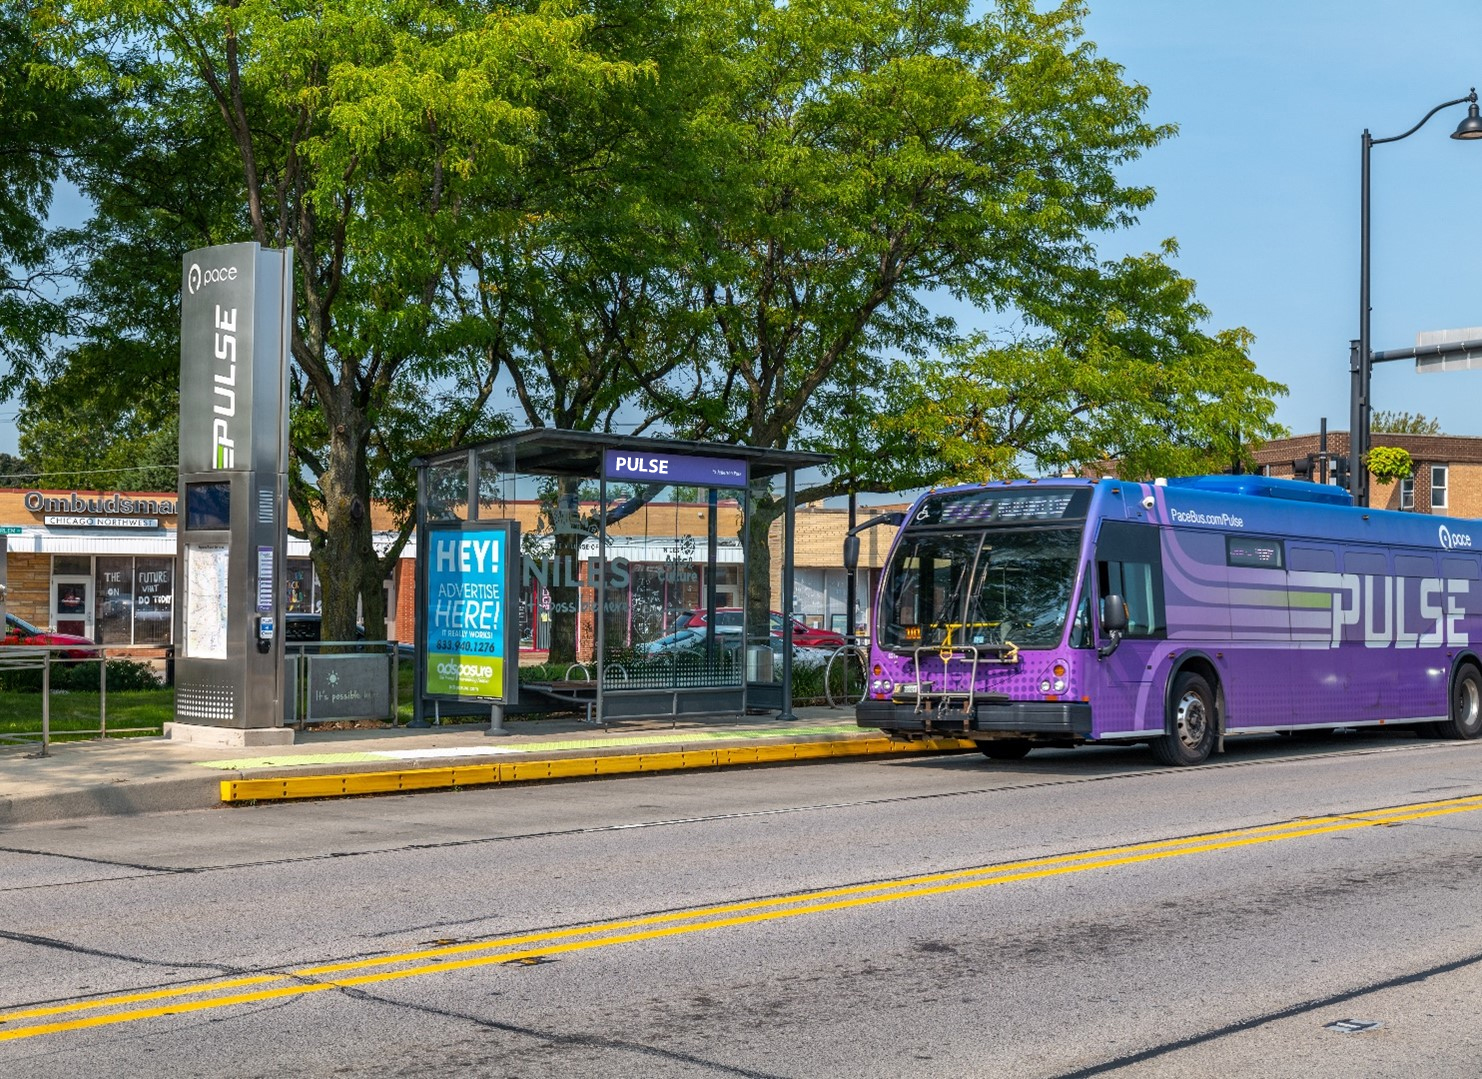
(1459, 568)
(1312, 559)
(1371, 563)
(1080, 627)
(1129, 563)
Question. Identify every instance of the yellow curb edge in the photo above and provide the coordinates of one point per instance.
(279, 788)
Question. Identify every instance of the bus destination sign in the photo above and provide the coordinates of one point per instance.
(999, 506)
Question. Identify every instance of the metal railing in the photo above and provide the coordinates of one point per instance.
(371, 667)
(48, 659)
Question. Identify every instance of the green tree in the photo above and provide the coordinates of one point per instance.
(1128, 383)
(362, 135)
(160, 178)
(44, 119)
(16, 471)
(874, 154)
(1404, 423)
(580, 298)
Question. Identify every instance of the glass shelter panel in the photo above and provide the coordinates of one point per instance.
(447, 492)
(671, 595)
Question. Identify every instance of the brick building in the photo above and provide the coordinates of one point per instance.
(1447, 478)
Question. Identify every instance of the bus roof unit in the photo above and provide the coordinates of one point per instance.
(1266, 487)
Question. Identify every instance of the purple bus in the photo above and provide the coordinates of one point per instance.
(1058, 612)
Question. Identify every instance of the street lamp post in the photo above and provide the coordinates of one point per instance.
(1361, 354)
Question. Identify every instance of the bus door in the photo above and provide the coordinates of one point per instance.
(1129, 563)
(1362, 668)
(1259, 657)
(1420, 601)
(1317, 598)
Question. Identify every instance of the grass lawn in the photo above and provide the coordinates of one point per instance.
(77, 710)
(20, 713)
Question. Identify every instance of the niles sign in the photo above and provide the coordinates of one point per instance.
(674, 468)
(234, 303)
(472, 568)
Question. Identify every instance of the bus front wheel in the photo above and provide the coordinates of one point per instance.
(1466, 706)
(1191, 723)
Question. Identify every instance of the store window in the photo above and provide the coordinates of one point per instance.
(303, 592)
(131, 600)
(154, 594)
(113, 621)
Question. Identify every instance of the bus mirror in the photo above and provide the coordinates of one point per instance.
(1113, 623)
(851, 552)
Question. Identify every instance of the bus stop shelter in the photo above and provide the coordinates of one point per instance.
(636, 564)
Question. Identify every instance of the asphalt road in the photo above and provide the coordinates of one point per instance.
(1078, 913)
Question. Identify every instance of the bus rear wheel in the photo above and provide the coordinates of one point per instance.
(1191, 723)
(1466, 706)
(1005, 750)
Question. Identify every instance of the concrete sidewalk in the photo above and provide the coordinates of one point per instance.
(146, 775)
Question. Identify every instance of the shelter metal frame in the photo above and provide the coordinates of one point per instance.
(580, 455)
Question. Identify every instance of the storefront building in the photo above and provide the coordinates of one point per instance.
(101, 564)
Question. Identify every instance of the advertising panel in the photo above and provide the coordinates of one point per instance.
(469, 614)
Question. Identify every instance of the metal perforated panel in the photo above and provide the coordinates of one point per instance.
(205, 702)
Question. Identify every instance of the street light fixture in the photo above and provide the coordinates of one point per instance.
(1361, 355)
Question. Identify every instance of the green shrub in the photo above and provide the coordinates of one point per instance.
(124, 675)
(1389, 463)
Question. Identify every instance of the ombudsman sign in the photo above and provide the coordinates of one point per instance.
(468, 611)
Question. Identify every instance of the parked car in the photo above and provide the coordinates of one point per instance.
(693, 639)
(676, 643)
(730, 618)
(300, 627)
(803, 655)
(19, 631)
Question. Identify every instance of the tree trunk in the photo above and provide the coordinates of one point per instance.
(765, 509)
(346, 561)
(565, 570)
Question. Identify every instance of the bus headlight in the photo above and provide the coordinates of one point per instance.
(1055, 679)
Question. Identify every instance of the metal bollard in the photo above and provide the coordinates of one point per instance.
(46, 704)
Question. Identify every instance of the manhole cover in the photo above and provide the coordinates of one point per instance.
(1351, 1026)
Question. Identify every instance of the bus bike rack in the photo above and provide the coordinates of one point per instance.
(1007, 653)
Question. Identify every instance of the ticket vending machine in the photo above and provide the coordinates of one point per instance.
(236, 314)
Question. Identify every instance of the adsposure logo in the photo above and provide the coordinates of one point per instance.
(477, 671)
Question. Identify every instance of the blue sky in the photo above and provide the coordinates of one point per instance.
(1261, 185)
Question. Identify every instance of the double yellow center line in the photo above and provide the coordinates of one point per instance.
(528, 947)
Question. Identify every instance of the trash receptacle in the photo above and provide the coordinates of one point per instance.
(759, 663)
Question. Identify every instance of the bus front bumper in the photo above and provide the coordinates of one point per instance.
(1062, 719)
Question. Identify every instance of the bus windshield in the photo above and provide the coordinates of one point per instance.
(979, 588)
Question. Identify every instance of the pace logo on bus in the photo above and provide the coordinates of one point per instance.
(1452, 541)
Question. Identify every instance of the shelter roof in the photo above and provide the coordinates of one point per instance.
(553, 452)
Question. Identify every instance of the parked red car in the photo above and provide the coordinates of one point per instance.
(19, 631)
(729, 619)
